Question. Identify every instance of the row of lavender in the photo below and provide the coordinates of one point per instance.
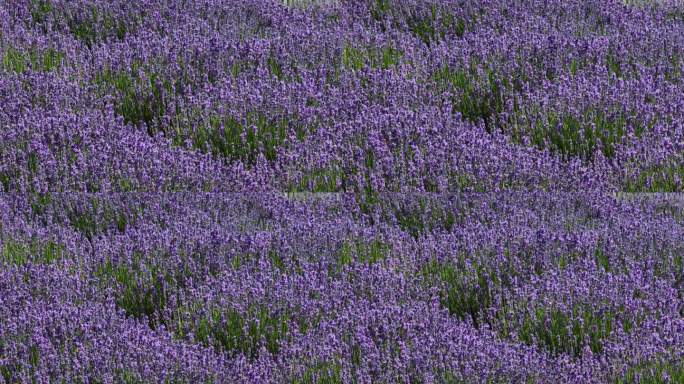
(360, 96)
(229, 287)
(145, 147)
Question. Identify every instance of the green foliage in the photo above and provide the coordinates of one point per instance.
(239, 66)
(561, 332)
(379, 9)
(40, 10)
(142, 98)
(573, 67)
(97, 217)
(356, 355)
(436, 25)
(463, 296)
(423, 29)
(668, 177)
(476, 98)
(420, 216)
(125, 184)
(235, 69)
(32, 163)
(236, 332)
(274, 67)
(34, 356)
(362, 251)
(322, 180)
(460, 28)
(571, 135)
(463, 182)
(11, 371)
(613, 65)
(84, 223)
(320, 373)
(384, 57)
(352, 57)
(7, 371)
(141, 95)
(367, 199)
(673, 72)
(19, 253)
(473, 288)
(90, 27)
(84, 30)
(243, 139)
(5, 181)
(47, 60)
(452, 378)
(655, 372)
(141, 288)
(566, 258)
(40, 203)
(95, 26)
(601, 258)
(128, 377)
(356, 58)
(276, 260)
(13, 61)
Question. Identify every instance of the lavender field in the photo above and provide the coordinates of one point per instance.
(348, 191)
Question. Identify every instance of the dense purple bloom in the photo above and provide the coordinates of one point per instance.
(296, 191)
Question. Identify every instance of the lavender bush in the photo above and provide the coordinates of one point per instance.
(371, 191)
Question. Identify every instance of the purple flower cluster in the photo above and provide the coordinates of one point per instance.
(414, 191)
(545, 287)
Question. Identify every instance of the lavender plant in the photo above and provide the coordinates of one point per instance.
(345, 191)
